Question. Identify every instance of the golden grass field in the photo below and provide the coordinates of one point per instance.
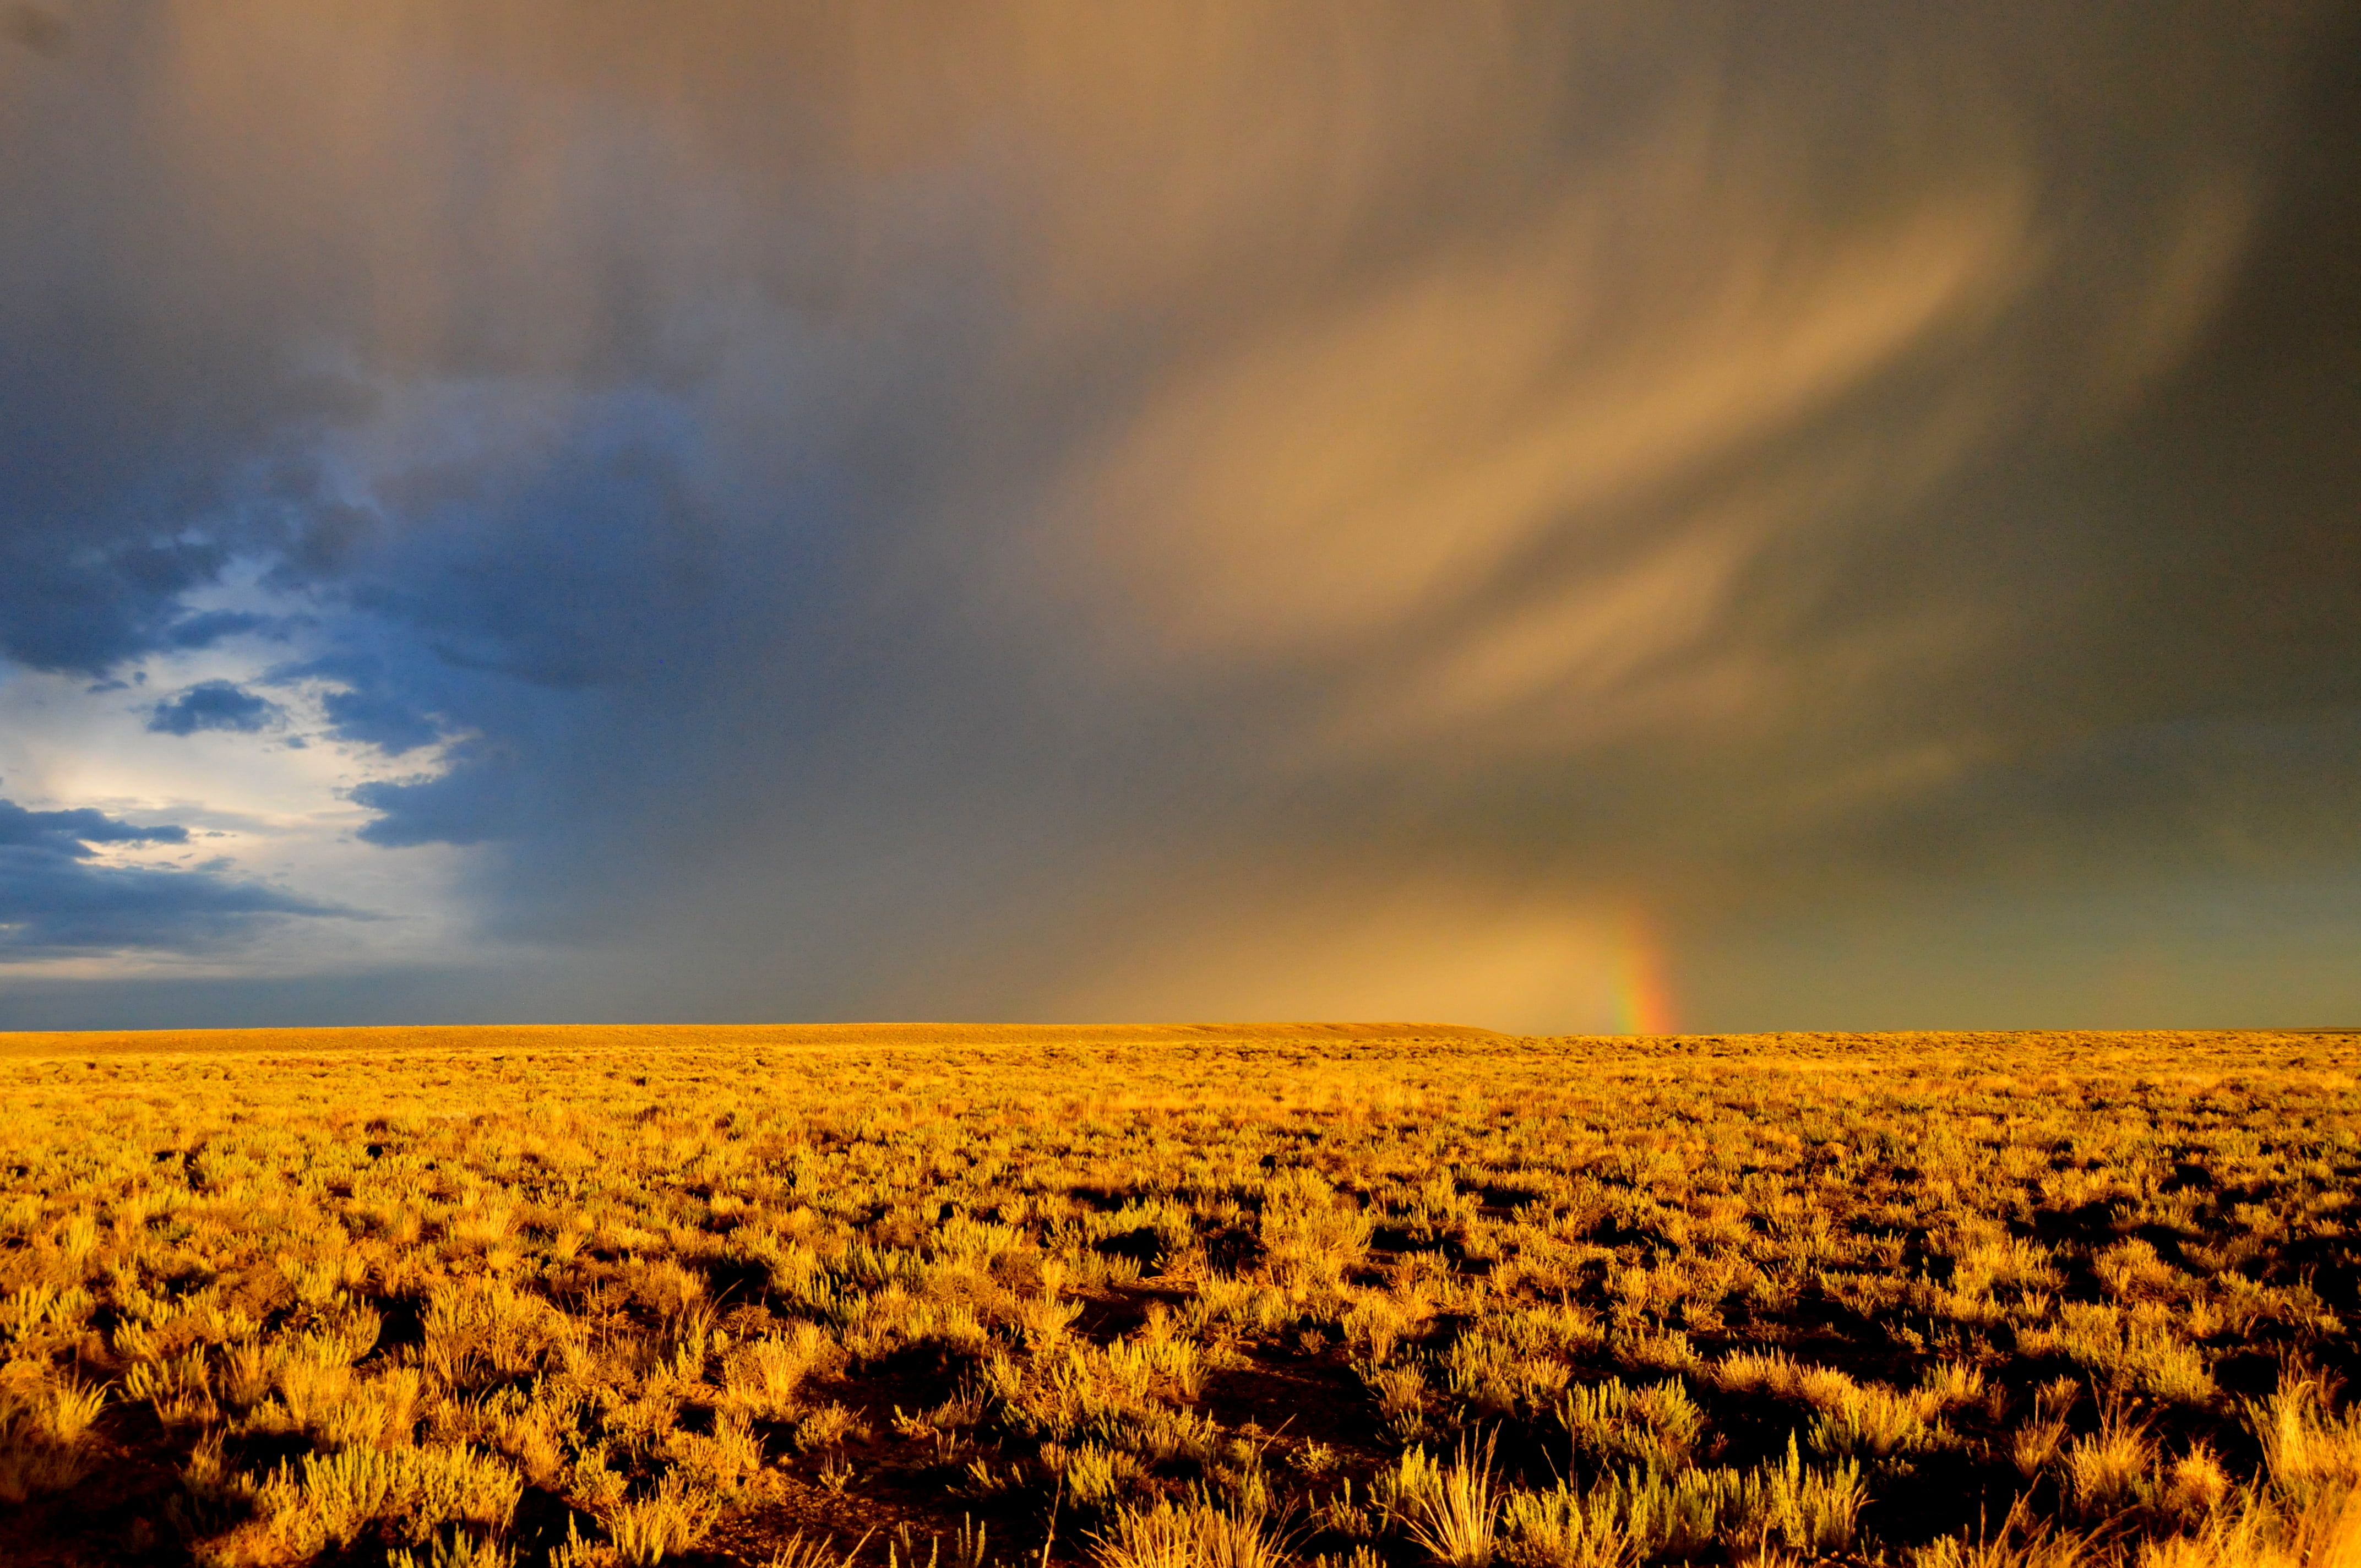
(1145, 1298)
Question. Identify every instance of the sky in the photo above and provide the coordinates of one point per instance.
(1568, 516)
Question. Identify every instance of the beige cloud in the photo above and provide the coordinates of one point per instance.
(1377, 462)
(1335, 942)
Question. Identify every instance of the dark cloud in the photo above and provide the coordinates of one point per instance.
(369, 702)
(72, 607)
(474, 801)
(202, 630)
(57, 900)
(213, 705)
(374, 719)
(71, 833)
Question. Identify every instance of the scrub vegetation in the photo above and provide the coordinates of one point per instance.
(1344, 1297)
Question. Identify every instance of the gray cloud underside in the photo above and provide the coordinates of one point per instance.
(900, 513)
(56, 903)
(213, 705)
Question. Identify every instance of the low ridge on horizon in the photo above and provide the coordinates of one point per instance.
(65, 1043)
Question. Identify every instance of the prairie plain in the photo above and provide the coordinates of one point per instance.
(1348, 1297)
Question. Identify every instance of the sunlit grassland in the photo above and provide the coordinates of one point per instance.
(1149, 1298)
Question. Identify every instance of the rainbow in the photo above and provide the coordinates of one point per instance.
(1643, 991)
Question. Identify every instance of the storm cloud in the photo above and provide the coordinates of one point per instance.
(1316, 510)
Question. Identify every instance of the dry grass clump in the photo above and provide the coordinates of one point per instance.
(2254, 1533)
(1349, 1299)
(2309, 1452)
(1189, 1535)
(44, 1429)
(1451, 1509)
